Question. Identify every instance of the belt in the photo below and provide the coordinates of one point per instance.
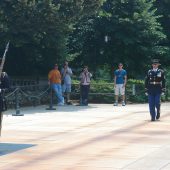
(155, 83)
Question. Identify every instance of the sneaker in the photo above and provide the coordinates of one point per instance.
(115, 104)
(60, 104)
(69, 103)
(123, 104)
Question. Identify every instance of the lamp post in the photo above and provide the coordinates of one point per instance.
(106, 38)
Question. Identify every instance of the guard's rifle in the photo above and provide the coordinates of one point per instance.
(1, 69)
(3, 59)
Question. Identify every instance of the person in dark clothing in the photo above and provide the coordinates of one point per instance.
(4, 85)
(154, 88)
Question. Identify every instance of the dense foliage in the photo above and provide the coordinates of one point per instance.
(163, 7)
(134, 36)
(98, 33)
(38, 31)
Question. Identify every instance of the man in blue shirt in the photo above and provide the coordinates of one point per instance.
(120, 79)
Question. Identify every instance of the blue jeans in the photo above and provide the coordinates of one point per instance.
(58, 91)
(154, 103)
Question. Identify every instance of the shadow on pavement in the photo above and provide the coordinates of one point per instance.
(43, 109)
(7, 148)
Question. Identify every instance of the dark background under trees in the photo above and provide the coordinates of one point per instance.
(44, 32)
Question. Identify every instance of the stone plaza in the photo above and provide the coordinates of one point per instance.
(94, 137)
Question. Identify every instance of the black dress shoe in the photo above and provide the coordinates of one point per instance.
(152, 119)
(158, 116)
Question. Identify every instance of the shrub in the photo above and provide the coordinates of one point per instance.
(101, 91)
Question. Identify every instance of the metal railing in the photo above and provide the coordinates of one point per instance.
(34, 95)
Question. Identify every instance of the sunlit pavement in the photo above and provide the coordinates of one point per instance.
(97, 137)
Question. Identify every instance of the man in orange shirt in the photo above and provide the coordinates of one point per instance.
(54, 78)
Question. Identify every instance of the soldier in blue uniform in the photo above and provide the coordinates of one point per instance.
(155, 86)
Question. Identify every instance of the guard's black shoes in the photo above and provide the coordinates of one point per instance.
(158, 116)
(152, 120)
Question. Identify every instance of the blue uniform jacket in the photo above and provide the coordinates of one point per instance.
(155, 82)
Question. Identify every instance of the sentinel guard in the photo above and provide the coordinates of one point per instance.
(4, 84)
(154, 88)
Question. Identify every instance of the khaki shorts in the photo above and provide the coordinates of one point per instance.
(66, 88)
(119, 89)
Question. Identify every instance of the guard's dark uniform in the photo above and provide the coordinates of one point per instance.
(154, 86)
(4, 85)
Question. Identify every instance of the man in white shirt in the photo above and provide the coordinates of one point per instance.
(66, 74)
(85, 77)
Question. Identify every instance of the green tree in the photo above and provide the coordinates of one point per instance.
(38, 31)
(135, 35)
(163, 7)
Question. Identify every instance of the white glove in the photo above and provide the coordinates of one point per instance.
(146, 94)
(162, 94)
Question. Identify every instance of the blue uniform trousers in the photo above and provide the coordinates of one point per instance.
(154, 104)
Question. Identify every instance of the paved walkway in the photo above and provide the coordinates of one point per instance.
(97, 137)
